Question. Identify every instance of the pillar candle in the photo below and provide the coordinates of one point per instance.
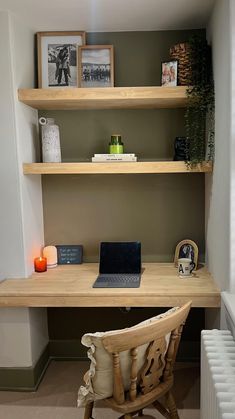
(40, 264)
(50, 252)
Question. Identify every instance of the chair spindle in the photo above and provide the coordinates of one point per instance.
(133, 386)
(118, 389)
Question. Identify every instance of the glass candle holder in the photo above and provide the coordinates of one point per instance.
(40, 264)
(116, 145)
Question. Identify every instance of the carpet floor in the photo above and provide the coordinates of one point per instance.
(57, 394)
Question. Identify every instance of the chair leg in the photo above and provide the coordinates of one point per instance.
(170, 401)
(161, 409)
(88, 410)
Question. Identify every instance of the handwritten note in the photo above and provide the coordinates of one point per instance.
(69, 254)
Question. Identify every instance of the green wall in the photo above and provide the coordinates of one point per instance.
(138, 55)
(158, 210)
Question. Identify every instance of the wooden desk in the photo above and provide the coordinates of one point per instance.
(71, 286)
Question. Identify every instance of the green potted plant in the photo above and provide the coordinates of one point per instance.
(199, 114)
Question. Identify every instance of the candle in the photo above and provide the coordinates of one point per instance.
(40, 264)
(50, 253)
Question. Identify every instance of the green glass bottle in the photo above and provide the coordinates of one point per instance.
(116, 145)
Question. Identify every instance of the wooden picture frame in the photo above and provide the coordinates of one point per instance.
(57, 54)
(96, 66)
(169, 74)
(188, 249)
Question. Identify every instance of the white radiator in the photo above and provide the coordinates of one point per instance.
(217, 375)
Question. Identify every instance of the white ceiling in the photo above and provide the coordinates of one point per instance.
(111, 15)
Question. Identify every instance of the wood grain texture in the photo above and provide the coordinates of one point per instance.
(137, 336)
(114, 168)
(153, 368)
(152, 382)
(71, 286)
(118, 388)
(134, 371)
(148, 97)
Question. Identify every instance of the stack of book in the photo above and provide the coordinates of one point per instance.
(102, 158)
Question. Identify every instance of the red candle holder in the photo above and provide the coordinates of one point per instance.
(40, 264)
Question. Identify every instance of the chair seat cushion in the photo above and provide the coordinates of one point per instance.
(99, 378)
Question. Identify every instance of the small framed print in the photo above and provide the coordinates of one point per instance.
(186, 249)
(58, 58)
(96, 66)
(169, 73)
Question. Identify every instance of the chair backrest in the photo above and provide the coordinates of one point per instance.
(156, 373)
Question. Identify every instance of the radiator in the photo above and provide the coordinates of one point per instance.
(217, 375)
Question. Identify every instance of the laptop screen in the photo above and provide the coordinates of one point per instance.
(120, 257)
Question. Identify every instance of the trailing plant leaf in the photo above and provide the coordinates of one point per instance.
(200, 108)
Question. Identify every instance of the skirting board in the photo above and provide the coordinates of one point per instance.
(25, 379)
(28, 379)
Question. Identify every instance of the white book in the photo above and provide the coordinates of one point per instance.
(115, 155)
(113, 159)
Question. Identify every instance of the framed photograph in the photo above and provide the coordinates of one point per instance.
(186, 249)
(58, 58)
(96, 66)
(169, 73)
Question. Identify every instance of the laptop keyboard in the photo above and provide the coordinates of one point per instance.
(117, 281)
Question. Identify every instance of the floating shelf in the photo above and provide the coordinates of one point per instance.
(105, 98)
(114, 168)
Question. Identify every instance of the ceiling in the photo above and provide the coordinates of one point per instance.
(111, 15)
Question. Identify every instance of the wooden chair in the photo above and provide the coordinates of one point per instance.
(155, 378)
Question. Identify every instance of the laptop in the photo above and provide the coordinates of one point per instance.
(120, 265)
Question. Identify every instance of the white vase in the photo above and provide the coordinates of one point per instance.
(51, 152)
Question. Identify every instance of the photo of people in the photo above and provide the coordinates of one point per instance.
(62, 65)
(96, 66)
(169, 73)
(58, 58)
(186, 249)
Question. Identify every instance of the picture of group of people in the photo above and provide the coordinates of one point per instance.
(94, 74)
(96, 66)
(169, 73)
(64, 60)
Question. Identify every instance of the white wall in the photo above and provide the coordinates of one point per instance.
(23, 336)
(218, 184)
(15, 348)
(232, 147)
(23, 50)
(23, 331)
(21, 228)
(38, 332)
(11, 238)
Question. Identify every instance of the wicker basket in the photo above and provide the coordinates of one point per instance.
(181, 53)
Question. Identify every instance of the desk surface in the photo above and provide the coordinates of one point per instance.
(71, 286)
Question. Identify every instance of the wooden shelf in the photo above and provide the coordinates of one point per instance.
(114, 168)
(105, 98)
(71, 286)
